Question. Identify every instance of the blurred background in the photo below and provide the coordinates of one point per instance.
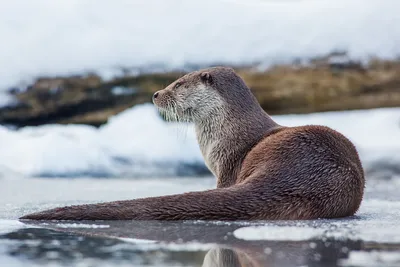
(77, 124)
(77, 78)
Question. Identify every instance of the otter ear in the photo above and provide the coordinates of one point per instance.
(206, 77)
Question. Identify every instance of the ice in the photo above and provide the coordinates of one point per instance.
(376, 222)
(375, 225)
(81, 225)
(291, 233)
(42, 37)
(372, 258)
(151, 245)
(7, 226)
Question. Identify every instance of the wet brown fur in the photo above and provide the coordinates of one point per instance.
(264, 171)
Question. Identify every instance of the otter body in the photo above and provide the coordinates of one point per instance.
(265, 171)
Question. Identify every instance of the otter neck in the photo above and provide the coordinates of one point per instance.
(226, 136)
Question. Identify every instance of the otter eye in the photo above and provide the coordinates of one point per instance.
(177, 85)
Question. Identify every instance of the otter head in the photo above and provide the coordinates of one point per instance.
(190, 98)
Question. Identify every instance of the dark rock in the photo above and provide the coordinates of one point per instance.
(329, 83)
(80, 99)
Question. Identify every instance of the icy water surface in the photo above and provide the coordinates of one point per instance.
(372, 238)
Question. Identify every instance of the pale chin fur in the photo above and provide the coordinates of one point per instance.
(195, 107)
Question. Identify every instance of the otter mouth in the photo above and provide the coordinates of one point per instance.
(172, 111)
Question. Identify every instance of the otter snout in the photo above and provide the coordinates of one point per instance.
(155, 95)
(161, 98)
(156, 98)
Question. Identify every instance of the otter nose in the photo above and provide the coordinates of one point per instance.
(155, 95)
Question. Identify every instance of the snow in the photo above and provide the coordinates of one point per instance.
(376, 222)
(137, 142)
(373, 258)
(6, 99)
(119, 90)
(277, 233)
(44, 37)
(7, 226)
(81, 225)
(152, 245)
(375, 132)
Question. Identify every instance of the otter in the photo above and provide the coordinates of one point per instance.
(264, 170)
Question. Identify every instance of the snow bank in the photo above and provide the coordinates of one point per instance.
(138, 142)
(42, 37)
(375, 132)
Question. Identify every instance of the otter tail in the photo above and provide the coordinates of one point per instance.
(233, 203)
